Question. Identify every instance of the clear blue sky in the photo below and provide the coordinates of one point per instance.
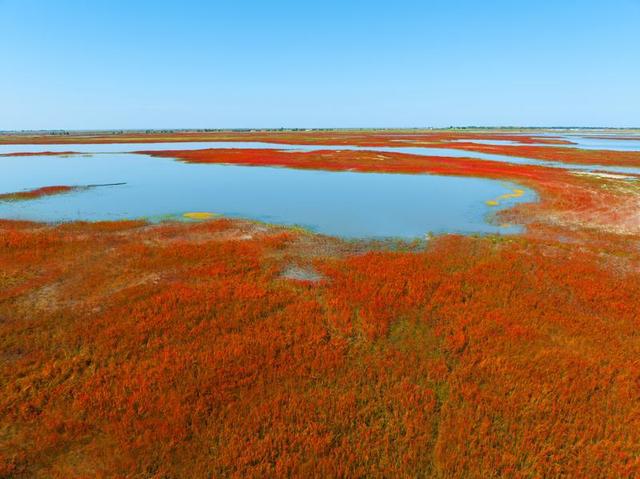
(191, 64)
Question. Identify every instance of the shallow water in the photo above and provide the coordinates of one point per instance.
(589, 141)
(420, 151)
(583, 142)
(347, 204)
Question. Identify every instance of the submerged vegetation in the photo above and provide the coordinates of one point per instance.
(227, 348)
(515, 193)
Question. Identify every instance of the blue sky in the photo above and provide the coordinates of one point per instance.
(193, 64)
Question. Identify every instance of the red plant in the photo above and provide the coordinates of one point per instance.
(36, 193)
(177, 350)
(182, 350)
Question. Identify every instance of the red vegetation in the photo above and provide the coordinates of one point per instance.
(36, 193)
(178, 351)
(182, 350)
(438, 139)
(555, 153)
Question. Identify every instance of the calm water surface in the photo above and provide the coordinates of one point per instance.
(581, 142)
(347, 204)
(587, 143)
(592, 142)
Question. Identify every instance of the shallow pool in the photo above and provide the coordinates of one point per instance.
(346, 204)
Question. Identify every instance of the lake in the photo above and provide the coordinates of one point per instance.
(345, 204)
